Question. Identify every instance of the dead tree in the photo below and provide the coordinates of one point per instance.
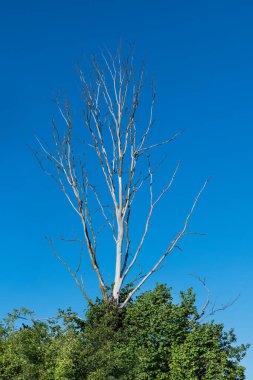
(111, 102)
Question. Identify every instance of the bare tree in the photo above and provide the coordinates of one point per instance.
(111, 102)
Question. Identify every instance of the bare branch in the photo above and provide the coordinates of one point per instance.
(215, 310)
(207, 302)
(169, 249)
(73, 274)
(203, 314)
(161, 143)
(103, 210)
(152, 205)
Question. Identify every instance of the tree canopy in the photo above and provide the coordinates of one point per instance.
(153, 337)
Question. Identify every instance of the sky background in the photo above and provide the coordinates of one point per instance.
(201, 56)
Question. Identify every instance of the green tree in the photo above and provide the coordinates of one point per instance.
(152, 338)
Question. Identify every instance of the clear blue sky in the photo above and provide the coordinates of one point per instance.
(201, 54)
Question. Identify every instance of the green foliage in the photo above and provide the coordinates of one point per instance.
(152, 338)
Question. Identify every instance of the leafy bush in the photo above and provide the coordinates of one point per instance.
(152, 338)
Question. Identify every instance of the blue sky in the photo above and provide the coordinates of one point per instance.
(201, 56)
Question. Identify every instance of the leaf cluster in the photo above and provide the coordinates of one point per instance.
(152, 338)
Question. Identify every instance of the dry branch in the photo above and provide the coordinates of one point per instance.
(111, 103)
